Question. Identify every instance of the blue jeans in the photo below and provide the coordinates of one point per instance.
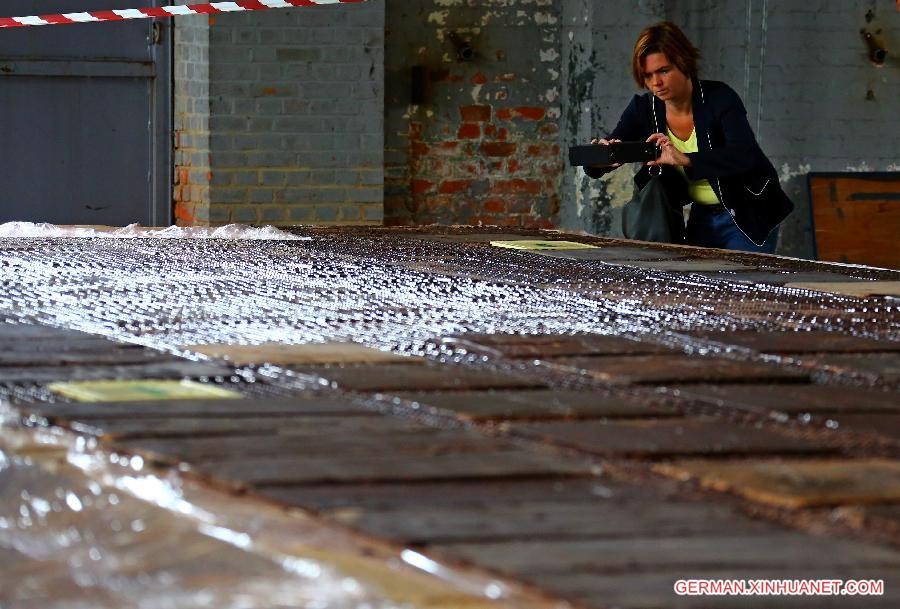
(708, 228)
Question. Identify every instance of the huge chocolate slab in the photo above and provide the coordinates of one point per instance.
(82, 358)
(547, 520)
(691, 554)
(79, 344)
(455, 493)
(431, 377)
(386, 467)
(547, 345)
(677, 369)
(887, 425)
(191, 427)
(247, 407)
(690, 266)
(299, 355)
(33, 331)
(851, 288)
(816, 341)
(795, 399)
(156, 370)
(780, 279)
(881, 366)
(536, 404)
(796, 483)
(667, 437)
(617, 254)
(369, 440)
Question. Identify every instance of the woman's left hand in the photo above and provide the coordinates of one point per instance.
(670, 155)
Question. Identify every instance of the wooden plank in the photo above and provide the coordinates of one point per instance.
(246, 407)
(677, 369)
(386, 467)
(667, 437)
(677, 554)
(536, 404)
(815, 341)
(429, 377)
(796, 399)
(547, 520)
(850, 288)
(294, 355)
(797, 483)
(857, 218)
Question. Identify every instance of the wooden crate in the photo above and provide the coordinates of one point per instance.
(856, 217)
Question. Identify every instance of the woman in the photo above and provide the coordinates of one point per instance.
(710, 158)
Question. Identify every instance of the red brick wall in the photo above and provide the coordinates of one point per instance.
(483, 146)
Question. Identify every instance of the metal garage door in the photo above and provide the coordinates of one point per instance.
(84, 117)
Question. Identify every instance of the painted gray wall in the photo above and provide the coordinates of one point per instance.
(296, 115)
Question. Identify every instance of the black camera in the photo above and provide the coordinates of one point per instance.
(610, 154)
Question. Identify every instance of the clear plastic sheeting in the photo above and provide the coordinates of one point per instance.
(81, 528)
(392, 290)
(136, 231)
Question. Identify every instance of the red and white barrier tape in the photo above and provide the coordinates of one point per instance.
(162, 11)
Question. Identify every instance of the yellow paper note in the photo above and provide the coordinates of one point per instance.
(543, 245)
(133, 391)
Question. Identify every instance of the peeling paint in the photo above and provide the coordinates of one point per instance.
(438, 17)
(548, 55)
(787, 173)
(864, 166)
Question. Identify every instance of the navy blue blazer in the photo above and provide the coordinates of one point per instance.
(728, 156)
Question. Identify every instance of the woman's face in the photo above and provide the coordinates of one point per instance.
(664, 79)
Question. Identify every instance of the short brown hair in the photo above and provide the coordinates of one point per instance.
(664, 37)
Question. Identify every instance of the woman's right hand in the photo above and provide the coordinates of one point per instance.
(605, 142)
